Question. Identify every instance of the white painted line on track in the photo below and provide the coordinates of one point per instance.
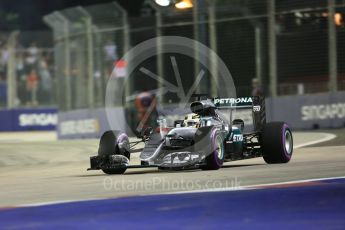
(295, 182)
(55, 202)
(257, 186)
(328, 137)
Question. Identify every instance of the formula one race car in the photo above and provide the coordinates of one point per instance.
(204, 139)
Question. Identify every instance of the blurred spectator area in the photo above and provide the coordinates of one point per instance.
(27, 56)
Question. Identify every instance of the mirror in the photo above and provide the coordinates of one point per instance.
(146, 132)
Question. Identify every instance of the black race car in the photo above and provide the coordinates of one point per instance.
(204, 139)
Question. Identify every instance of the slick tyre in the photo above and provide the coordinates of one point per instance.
(114, 142)
(277, 143)
(215, 160)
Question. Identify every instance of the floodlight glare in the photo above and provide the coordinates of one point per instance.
(184, 4)
(163, 2)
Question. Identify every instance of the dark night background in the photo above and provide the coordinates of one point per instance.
(27, 14)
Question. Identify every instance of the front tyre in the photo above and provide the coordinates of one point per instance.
(114, 143)
(277, 143)
(215, 160)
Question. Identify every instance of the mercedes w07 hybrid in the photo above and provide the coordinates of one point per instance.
(204, 139)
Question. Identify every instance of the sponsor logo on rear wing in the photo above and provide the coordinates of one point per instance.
(256, 104)
(233, 103)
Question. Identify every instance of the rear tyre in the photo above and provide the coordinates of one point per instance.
(277, 143)
(113, 142)
(215, 160)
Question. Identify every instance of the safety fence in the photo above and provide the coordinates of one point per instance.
(288, 47)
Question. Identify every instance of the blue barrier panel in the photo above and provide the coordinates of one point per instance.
(35, 119)
(28, 119)
(6, 120)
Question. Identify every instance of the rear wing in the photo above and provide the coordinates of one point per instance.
(256, 104)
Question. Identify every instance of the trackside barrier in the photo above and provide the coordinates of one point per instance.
(325, 110)
(28, 119)
(87, 123)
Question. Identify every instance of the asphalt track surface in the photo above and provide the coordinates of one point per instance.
(35, 169)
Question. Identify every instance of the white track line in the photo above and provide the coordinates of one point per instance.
(295, 181)
(57, 202)
(328, 137)
(257, 186)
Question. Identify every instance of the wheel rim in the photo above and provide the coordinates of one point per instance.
(219, 147)
(288, 141)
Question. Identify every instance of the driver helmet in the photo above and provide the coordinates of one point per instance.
(192, 120)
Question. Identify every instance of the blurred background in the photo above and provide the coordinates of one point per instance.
(56, 58)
